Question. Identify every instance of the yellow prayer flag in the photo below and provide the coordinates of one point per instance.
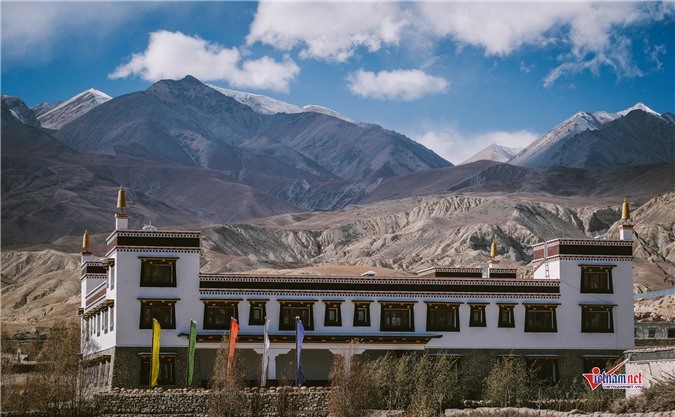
(154, 366)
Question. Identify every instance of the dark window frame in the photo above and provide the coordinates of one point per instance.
(587, 313)
(146, 320)
(603, 363)
(288, 310)
(167, 365)
(477, 315)
(596, 279)
(365, 307)
(540, 309)
(336, 307)
(211, 307)
(506, 318)
(443, 317)
(536, 368)
(393, 307)
(147, 264)
(260, 305)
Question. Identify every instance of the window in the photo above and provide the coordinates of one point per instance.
(540, 318)
(112, 318)
(596, 319)
(98, 324)
(167, 370)
(105, 320)
(543, 370)
(158, 272)
(333, 315)
(256, 315)
(671, 333)
(443, 317)
(397, 317)
(361, 314)
(163, 311)
(477, 315)
(596, 279)
(218, 314)
(292, 309)
(603, 363)
(651, 332)
(506, 316)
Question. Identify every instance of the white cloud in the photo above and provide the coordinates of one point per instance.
(174, 55)
(405, 85)
(589, 33)
(450, 143)
(327, 30)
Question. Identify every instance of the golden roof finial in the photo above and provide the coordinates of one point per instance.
(85, 241)
(121, 199)
(625, 210)
(493, 249)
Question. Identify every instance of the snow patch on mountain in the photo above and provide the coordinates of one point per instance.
(18, 109)
(73, 108)
(536, 154)
(494, 152)
(259, 103)
(269, 106)
(324, 110)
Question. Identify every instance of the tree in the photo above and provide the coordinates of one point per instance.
(53, 388)
(352, 386)
(227, 398)
(507, 385)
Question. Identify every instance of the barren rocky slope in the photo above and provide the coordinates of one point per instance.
(389, 237)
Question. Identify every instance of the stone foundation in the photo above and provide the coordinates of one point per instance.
(308, 402)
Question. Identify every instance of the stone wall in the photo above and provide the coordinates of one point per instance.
(513, 412)
(308, 402)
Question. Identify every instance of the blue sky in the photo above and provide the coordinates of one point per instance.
(454, 76)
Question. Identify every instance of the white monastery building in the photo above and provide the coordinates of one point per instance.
(575, 312)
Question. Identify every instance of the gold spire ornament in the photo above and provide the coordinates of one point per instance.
(493, 249)
(121, 199)
(85, 241)
(625, 210)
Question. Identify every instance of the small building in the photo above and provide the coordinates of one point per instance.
(574, 313)
(649, 331)
(654, 363)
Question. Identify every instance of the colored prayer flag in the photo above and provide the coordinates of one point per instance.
(299, 337)
(266, 347)
(234, 331)
(191, 351)
(154, 364)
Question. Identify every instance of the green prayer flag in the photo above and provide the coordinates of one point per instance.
(191, 351)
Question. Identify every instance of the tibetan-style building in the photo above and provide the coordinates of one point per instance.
(573, 313)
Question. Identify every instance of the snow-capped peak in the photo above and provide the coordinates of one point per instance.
(73, 108)
(639, 106)
(259, 104)
(324, 110)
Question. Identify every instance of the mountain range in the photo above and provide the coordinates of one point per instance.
(190, 153)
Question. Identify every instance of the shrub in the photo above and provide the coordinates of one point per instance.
(507, 385)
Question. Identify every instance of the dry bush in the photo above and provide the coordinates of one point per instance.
(437, 386)
(394, 380)
(352, 387)
(227, 398)
(507, 385)
(658, 397)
